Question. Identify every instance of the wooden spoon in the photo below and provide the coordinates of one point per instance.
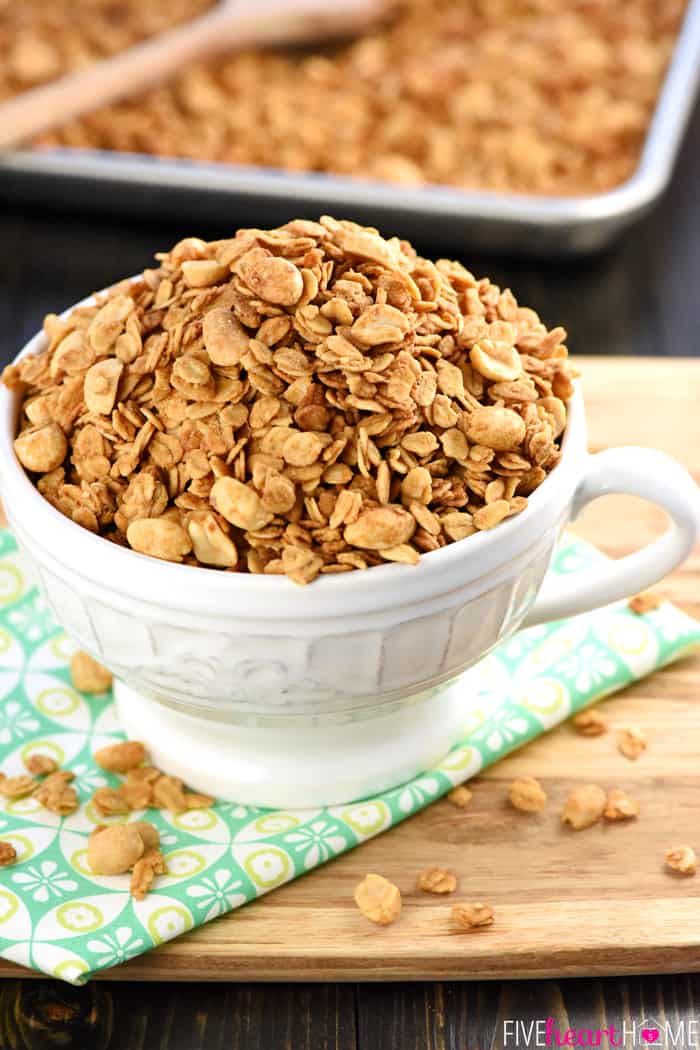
(232, 24)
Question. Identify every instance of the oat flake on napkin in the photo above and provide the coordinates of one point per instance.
(56, 916)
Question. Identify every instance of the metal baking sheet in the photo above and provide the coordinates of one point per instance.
(210, 192)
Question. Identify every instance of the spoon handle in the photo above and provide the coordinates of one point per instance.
(227, 27)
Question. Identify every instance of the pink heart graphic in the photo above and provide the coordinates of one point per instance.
(650, 1035)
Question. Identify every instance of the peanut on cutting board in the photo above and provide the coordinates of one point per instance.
(437, 880)
(584, 807)
(528, 795)
(620, 806)
(631, 742)
(473, 916)
(590, 723)
(682, 859)
(460, 796)
(378, 899)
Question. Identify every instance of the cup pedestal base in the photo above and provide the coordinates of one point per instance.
(303, 766)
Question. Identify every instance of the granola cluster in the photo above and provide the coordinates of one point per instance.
(120, 847)
(682, 859)
(380, 901)
(541, 97)
(310, 399)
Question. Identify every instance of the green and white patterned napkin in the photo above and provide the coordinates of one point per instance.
(56, 916)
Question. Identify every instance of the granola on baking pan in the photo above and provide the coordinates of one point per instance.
(545, 97)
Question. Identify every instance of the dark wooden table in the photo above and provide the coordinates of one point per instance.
(640, 297)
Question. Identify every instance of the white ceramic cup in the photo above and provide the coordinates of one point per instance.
(266, 693)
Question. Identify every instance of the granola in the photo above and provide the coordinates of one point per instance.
(437, 880)
(169, 793)
(56, 794)
(196, 800)
(149, 834)
(130, 847)
(644, 602)
(144, 872)
(88, 675)
(631, 742)
(682, 859)
(590, 723)
(542, 98)
(584, 807)
(17, 787)
(133, 847)
(473, 916)
(307, 400)
(119, 848)
(114, 850)
(136, 794)
(378, 899)
(109, 803)
(40, 765)
(620, 806)
(8, 854)
(460, 796)
(527, 795)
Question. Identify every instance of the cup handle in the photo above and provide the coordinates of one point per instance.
(644, 472)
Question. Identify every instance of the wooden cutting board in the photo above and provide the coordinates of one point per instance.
(596, 902)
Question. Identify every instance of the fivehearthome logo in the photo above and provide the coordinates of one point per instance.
(629, 1035)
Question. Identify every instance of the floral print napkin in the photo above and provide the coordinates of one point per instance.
(56, 916)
